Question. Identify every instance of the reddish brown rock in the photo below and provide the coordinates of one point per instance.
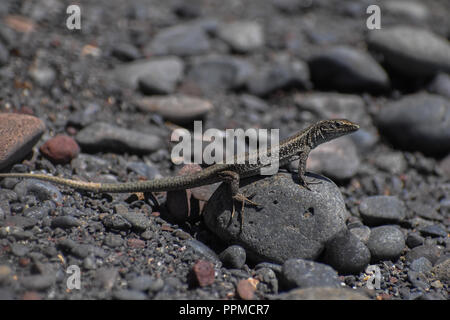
(18, 134)
(60, 149)
(246, 288)
(20, 23)
(31, 295)
(136, 243)
(203, 273)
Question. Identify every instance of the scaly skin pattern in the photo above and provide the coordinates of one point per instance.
(296, 146)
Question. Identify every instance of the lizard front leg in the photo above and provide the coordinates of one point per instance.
(232, 178)
(303, 156)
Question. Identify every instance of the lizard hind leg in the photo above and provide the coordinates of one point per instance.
(232, 178)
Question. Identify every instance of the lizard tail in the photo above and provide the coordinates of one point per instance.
(82, 185)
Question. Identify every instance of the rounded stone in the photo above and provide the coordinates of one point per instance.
(347, 69)
(412, 51)
(299, 273)
(386, 243)
(376, 210)
(60, 149)
(179, 109)
(233, 257)
(346, 253)
(106, 137)
(242, 36)
(419, 122)
(301, 221)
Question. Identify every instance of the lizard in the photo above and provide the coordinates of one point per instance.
(297, 146)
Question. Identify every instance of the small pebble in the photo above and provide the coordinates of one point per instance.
(144, 283)
(346, 253)
(233, 257)
(421, 265)
(246, 288)
(113, 240)
(303, 274)
(242, 36)
(203, 273)
(414, 240)
(433, 231)
(136, 243)
(377, 210)
(61, 149)
(40, 189)
(442, 270)
(138, 221)
(179, 40)
(104, 136)
(124, 294)
(65, 222)
(386, 243)
(431, 252)
(38, 282)
(362, 233)
(19, 250)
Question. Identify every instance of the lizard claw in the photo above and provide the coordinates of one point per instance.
(243, 199)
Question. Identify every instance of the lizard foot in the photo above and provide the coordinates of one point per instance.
(243, 199)
(304, 184)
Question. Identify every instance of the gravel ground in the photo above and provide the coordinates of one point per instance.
(100, 103)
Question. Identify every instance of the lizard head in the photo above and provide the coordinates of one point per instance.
(334, 128)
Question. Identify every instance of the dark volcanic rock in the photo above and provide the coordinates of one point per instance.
(376, 210)
(412, 51)
(299, 273)
(301, 221)
(103, 136)
(346, 253)
(417, 122)
(386, 243)
(347, 69)
(218, 73)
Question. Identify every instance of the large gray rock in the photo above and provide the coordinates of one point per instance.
(301, 221)
(217, 73)
(279, 75)
(158, 75)
(179, 40)
(419, 122)
(180, 109)
(104, 136)
(347, 69)
(412, 51)
(242, 36)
